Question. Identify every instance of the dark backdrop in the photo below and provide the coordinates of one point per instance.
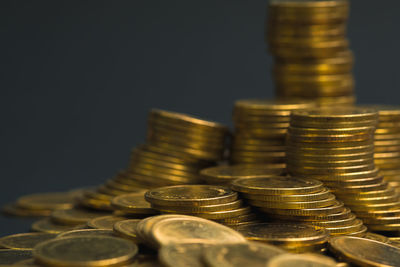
(78, 77)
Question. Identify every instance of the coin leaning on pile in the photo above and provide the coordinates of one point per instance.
(311, 51)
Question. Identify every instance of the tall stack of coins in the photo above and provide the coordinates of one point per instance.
(178, 146)
(260, 130)
(211, 202)
(335, 145)
(387, 144)
(300, 200)
(312, 56)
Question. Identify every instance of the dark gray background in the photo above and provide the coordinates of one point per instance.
(78, 77)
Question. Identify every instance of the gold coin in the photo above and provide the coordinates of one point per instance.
(180, 230)
(48, 201)
(228, 173)
(213, 215)
(376, 237)
(295, 204)
(24, 240)
(333, 209)
(345, 213)
(199, 209)
(85, 251)
(301, 260)
(356, 207)
(75, 216)
(249, 253)
(362, 251)
(104, 222)
(48, 226)
(350, 220)
(323, 194)
(11, 256)
(182, 255)
(284, 233)
(133, 203)
(249, 217)
(277, 185)
(187, 120)
(127, 228)
(279, 29)
(96, 204)
(12, 209)
(86, 232)
(190, 195)
(333, 115)
(355, 227)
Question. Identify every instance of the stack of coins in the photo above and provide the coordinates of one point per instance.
(212, 202)
(133, 204)
(260, 130)
(312, 56)
(225, 174)
(178, 146)
(298, 238)
(387, 144)
(300, 200)
(335, 145)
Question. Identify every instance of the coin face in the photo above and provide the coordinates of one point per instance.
(301, 260)
(283, 232)
(85, 251)
(336, 114)
(365, 252)
(183, 255)
(191, 195)
(24, 240)
(75, 216)
(127, 228)
(244, 254)
(190, 229)
(48, 226)
(61, 200)
(277, 185)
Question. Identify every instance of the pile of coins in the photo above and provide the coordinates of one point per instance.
(177, 147)
(387, 144)
(213, 202)
(225, 174)
(260, 130)
(312, 56)
(302, 200)
(335, 145)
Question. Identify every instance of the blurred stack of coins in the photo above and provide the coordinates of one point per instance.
(293, 237)
(387, 144)
(226, 174)
(213, 202)
(260, 130)
(335, 145)
(178, 146)
(300, 200)
(312, 56)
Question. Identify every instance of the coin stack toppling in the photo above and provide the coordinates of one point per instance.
(387, 144)
(312, 56)
(260, 130)
(335, 145)
(226, 174)
(299, 200)
(178, 146)
(212, 202)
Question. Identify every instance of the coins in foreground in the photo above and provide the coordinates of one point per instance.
(365, 252)
(85, 251)
(301, 260)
